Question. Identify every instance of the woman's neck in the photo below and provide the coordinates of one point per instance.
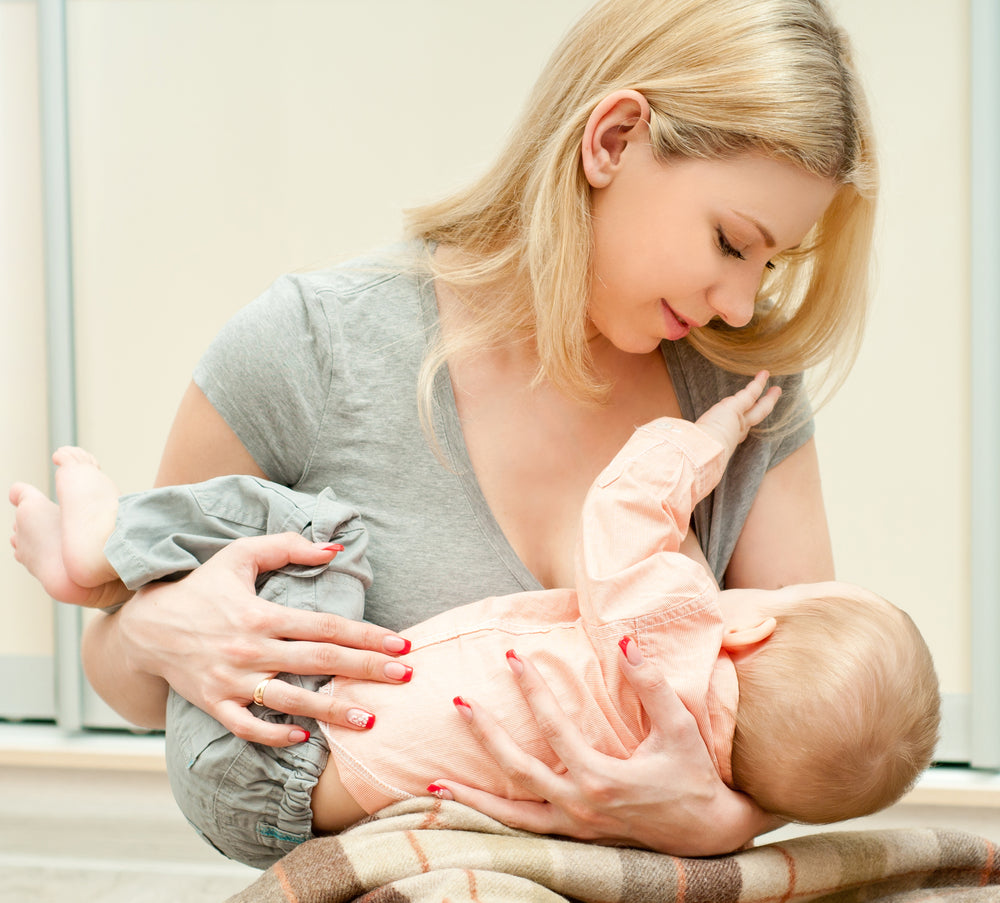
(534, 449)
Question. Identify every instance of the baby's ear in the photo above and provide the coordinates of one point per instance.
(748, 639)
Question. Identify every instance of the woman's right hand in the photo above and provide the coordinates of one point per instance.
(213, 640)
(666, 796)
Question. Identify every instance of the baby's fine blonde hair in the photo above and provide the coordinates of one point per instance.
(838, 712)
(722, 77)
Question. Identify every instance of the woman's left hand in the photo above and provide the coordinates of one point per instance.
(667, 796)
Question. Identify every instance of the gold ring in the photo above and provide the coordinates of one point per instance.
(258, 691)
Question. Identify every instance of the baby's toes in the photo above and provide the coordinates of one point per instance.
(70, 454)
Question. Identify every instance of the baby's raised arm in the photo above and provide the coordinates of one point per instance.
(730, 420)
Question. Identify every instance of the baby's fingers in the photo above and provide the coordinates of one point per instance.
(746, 397)
(762, 407)
(752, 404)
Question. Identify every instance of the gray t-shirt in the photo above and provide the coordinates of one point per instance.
(318, 379)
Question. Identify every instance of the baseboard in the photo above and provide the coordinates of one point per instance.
(956, 786)
(48, 746)
(38, 745)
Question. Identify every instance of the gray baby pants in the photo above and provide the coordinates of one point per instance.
(251, 802)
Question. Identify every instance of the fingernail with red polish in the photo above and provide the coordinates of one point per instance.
(360, 718)
(333, 547)
(442, 793)
(515, 663)
(398, 671)
(396, 644)
(299, 736)
(630, 650)
(464, 709)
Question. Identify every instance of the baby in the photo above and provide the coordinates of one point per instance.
(819, 701)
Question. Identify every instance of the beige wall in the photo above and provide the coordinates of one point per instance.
(25, 612)
(895, 441)
(219, 143)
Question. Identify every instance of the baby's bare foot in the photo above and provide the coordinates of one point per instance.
(38, 546)
(88, 505)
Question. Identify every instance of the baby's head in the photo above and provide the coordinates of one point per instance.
(839, 702)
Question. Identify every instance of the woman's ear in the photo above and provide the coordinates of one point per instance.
(748, 639)
(615, 121)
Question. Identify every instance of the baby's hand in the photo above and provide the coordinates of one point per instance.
(730, 420)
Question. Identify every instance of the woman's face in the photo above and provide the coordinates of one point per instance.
(678, 244)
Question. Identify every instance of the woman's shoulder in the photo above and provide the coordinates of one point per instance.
(352, 332)
(699, 383)
(362, 302)
(383, 278)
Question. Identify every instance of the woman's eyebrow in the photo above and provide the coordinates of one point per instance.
(767, 236)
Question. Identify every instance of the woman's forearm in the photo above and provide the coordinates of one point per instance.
(140, 698)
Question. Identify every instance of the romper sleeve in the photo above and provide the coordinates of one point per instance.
(269, 372)
(636, 515)
(698, 384)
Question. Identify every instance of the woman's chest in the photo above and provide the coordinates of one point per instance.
(535, 453)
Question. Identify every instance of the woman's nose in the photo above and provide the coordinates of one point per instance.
(733, 300)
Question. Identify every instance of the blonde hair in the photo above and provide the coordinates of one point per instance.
(722, 77)
(838, 713)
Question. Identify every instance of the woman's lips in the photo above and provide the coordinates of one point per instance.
(676, 327)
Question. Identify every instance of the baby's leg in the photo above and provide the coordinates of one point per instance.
(333, 807)
(88, 503)
(41, 529)
(257, 812)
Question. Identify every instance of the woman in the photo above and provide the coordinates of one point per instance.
(679, 162)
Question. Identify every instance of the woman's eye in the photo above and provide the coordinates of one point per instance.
(726, 247)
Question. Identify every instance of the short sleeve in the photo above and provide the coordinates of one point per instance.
(718, 519)
(795, 424)
(268, 373)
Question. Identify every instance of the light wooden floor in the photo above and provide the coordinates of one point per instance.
(77, 836)
(82, 835)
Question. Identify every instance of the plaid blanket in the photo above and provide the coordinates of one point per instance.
(424, 850)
